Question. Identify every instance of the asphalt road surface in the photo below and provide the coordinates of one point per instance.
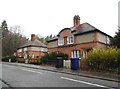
(17, 76)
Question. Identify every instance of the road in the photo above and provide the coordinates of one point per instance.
(18, 76)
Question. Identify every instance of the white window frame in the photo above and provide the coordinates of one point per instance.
(25, 56)
(60, 41)
(33, 56)
(75, 53)
(25, 49)
(45, 49)
(19, 50)
(70, 39)
(108, 40)
(42, 49)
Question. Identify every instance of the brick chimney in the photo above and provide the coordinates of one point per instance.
(76, 20)
(33, 37)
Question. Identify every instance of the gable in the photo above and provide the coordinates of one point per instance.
(103, 38)
(65, 32)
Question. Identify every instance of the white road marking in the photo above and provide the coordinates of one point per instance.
(84, 82)
(32, 71)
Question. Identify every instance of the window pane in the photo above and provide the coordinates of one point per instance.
(72, 54)
(67, 40)
(70, 39)
(78, 53)
(25, 49)
(33, 55)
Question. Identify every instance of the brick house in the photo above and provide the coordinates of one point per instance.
(76, 41)
(32, 48)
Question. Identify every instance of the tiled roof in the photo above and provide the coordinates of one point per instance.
(83, 28)
(33, 43)
(52, 39)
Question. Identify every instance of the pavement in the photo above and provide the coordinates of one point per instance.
(97, 75)
(3, 84)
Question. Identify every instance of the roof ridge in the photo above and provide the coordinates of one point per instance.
(90, 25)
(40, 42)
(36, 42)
(93, 28)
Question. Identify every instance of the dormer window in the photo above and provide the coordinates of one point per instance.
(70, 39)
(60, 41)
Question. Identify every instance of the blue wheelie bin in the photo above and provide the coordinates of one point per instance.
(75, 63)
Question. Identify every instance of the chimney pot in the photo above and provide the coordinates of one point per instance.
(33, 37)
(76, 20)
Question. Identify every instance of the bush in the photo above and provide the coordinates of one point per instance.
(104, 59)
(34, 61)
(20, 60)
(13, 59)
(50, 58)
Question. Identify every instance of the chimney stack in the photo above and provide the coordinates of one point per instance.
(33, 37)
(76, 20)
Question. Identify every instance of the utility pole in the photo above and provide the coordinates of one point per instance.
(0, 44)
(0, 55)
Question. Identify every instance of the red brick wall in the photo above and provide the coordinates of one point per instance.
(69, 48)
(65, 40)
(36, 53)
(40, 54)
(102, 45)
(62, 49)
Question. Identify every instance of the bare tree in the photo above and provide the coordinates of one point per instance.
(12, 39)
(16, 29)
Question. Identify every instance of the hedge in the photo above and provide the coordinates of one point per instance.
(20, 60)
(104, 59)
(30, 60)
(13, 59)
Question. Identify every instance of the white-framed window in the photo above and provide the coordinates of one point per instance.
(25, 49)
(33, 56)
(25, 56)
(70, 39)
(45, 49)
(60, 41)
(108, 40)
(19, 50)
(42, 49)
(75, 54)
(19, 55)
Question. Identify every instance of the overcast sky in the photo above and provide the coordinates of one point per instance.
(47, 17)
